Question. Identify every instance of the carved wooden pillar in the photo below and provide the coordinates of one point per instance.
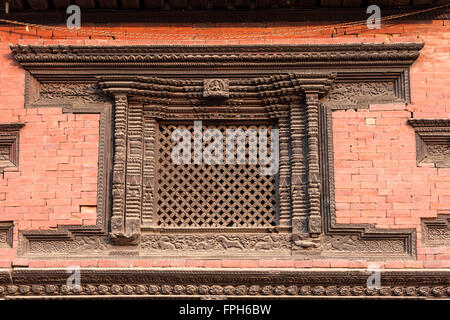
(149, 168)
(299, 207)
(312, 115)
(284, 173)
(126, 189)
(120, 150)
(134, 170)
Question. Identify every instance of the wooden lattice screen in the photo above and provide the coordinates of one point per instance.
(213, 195)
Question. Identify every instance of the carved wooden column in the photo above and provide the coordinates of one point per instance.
(134, 171)
(312, 116)
(119, 162)
(149, 168)
(284, 173)
(127, 167)
(280, 112)
(299, 207)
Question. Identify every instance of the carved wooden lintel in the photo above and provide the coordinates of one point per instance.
(190, 57)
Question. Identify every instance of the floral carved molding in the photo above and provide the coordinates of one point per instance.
(222, 284)
(138, 89)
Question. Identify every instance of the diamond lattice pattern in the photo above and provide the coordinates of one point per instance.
(212, 195)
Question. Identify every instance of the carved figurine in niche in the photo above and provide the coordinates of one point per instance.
(216, 88)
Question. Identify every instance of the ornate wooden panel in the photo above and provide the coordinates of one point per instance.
(159, 208)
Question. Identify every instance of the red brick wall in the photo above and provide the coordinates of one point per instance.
(377, 179)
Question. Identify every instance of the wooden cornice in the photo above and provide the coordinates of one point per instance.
(22, 283)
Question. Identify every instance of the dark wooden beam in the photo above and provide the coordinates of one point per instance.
(178, 4)
(214, 4)
(285, 3)
(200, 4)
(154, 4)
(18, 4)
(351, 3)
(130, 4)
(260, 4)
(381, 3)
(38, 4)
(162, 17)
(61, 4)
(398, 3)
(107, 4)
(305, 3)
(221, 4)
(331, 3)
(241, 3)
(422, 2)
(85, 4)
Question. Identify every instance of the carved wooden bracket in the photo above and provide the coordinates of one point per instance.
(153, 90)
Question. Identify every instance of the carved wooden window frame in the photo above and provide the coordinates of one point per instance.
(285, 79)
(9, 139)
(6, 234)
(436, 231)
(432, 133)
